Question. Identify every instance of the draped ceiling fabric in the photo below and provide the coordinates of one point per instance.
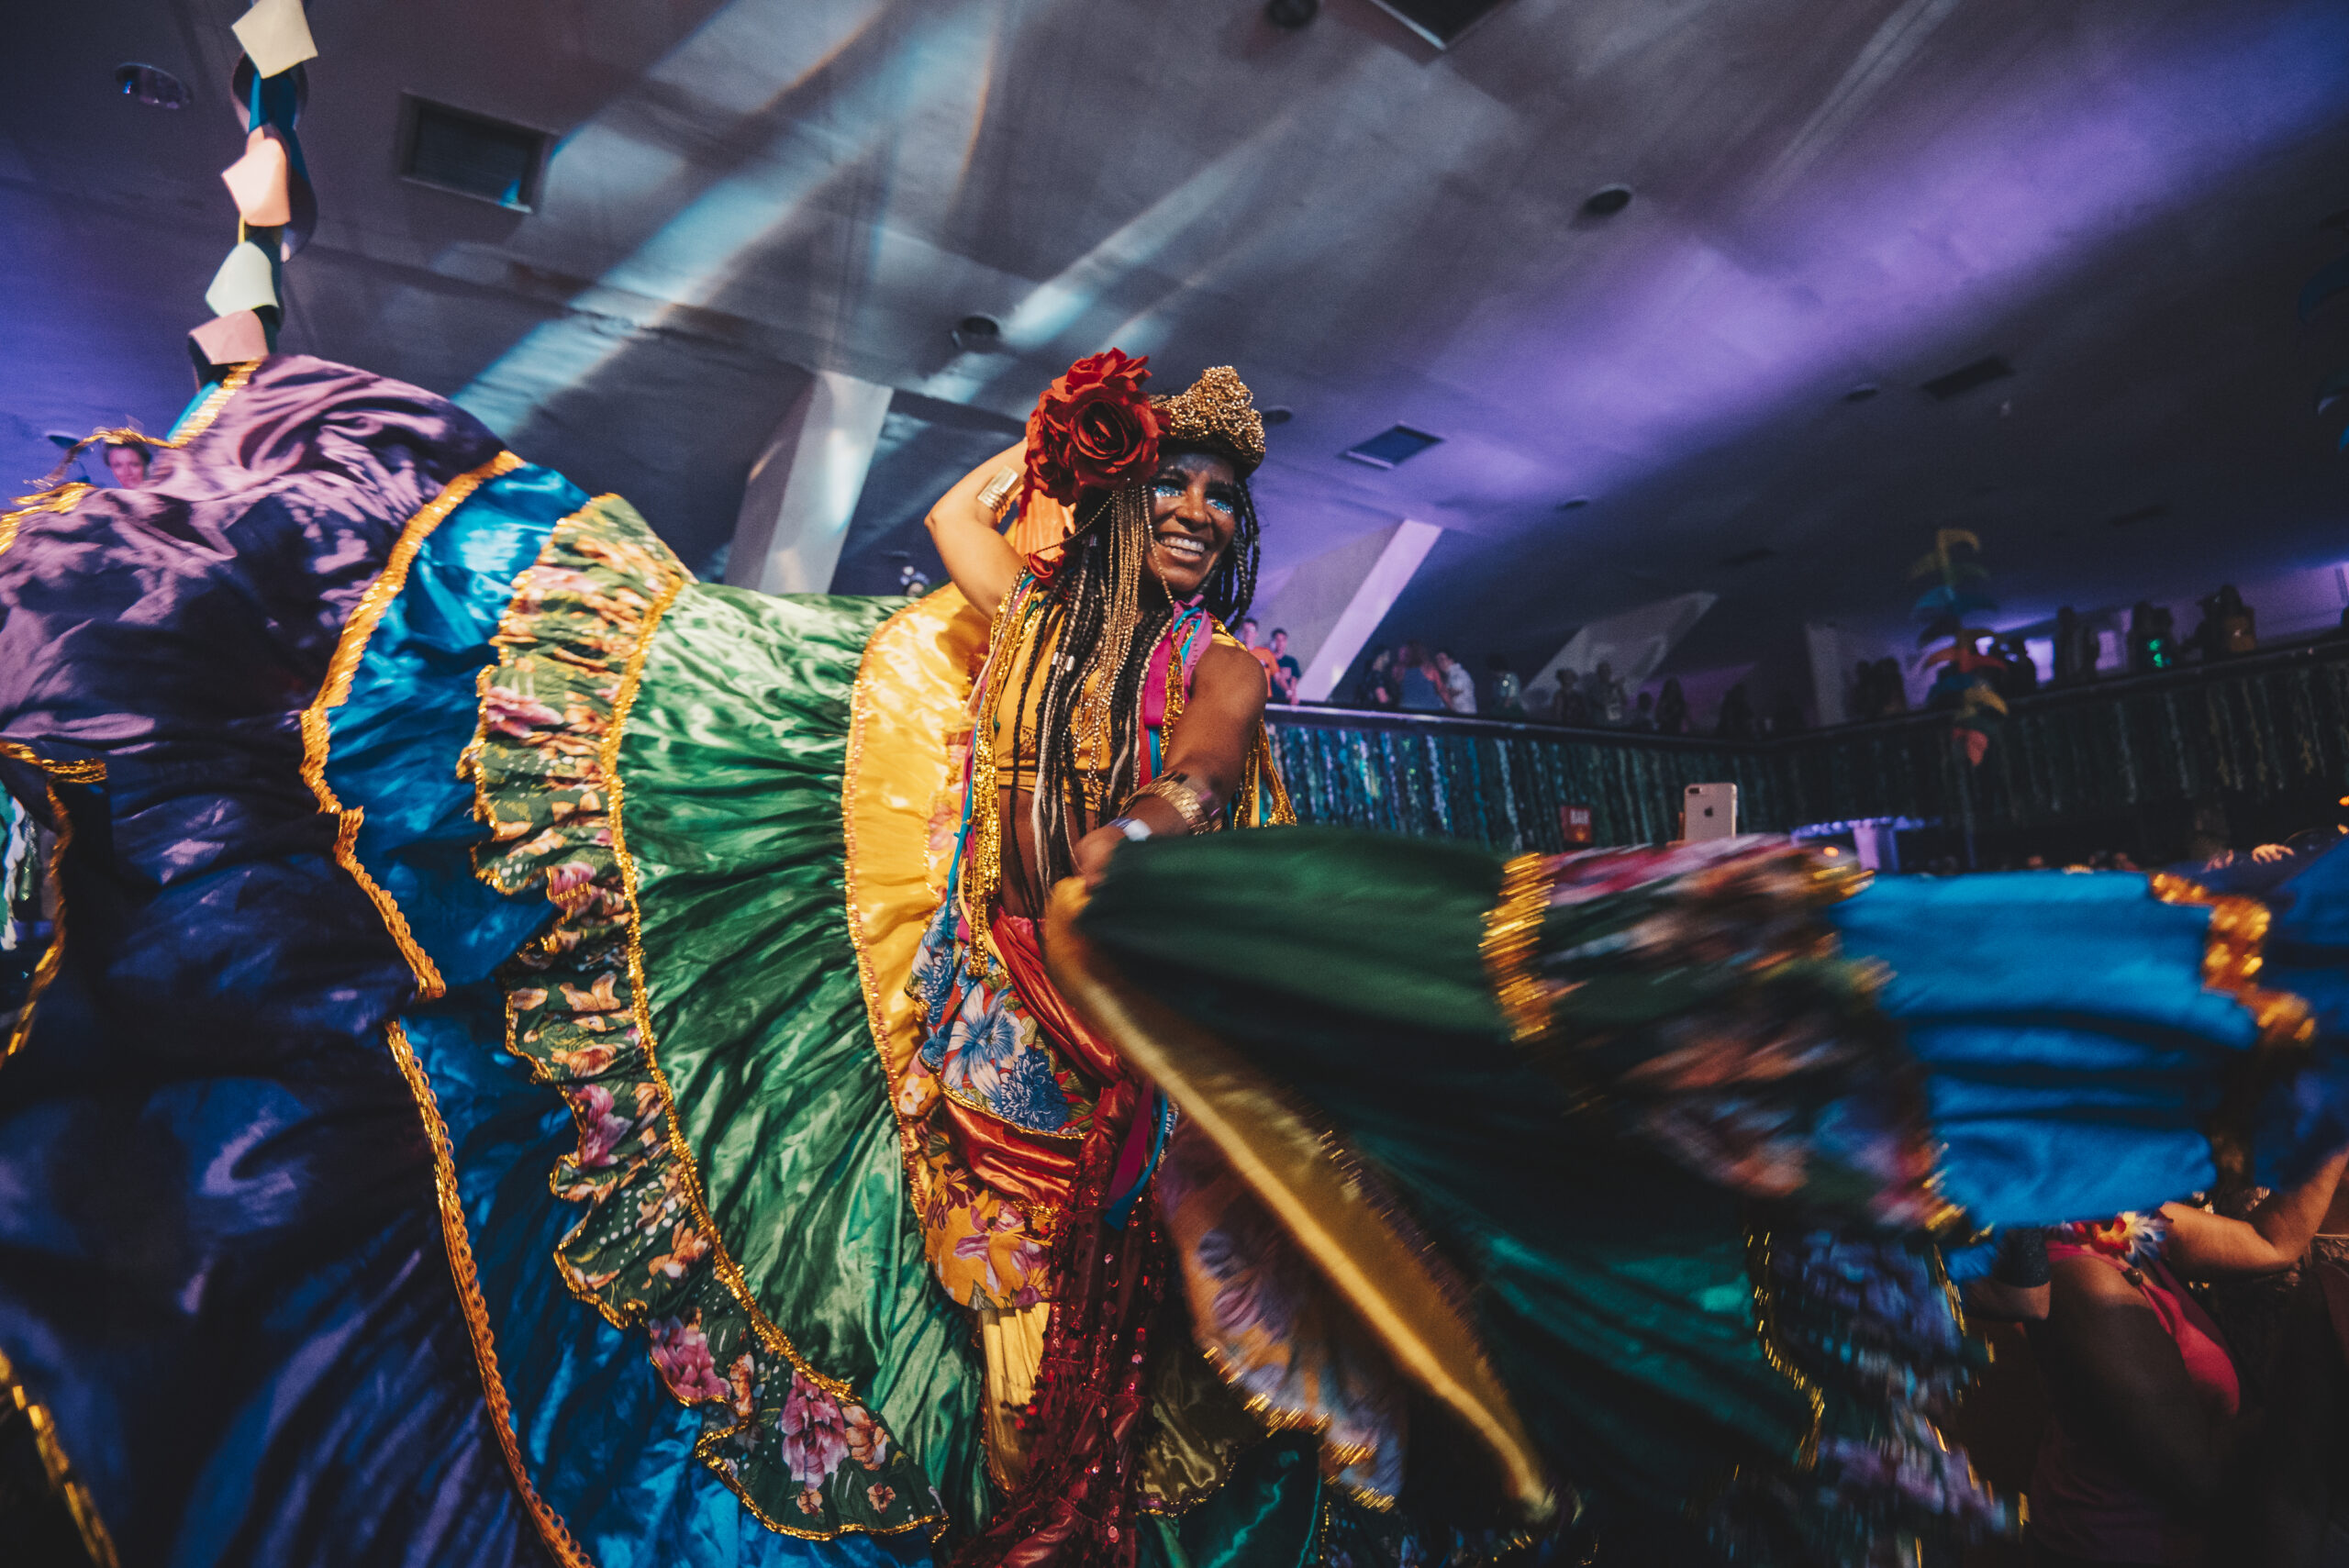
(2270, 730)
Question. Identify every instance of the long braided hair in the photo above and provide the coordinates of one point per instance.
(1103, 614)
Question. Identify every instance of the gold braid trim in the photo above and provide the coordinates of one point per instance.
(350, 648)
(551, 1528)
(61, 499)
(1512, 930)
(984, 876)
(317, 728)
(1774, 1349)
(2232, 955)
(1265, 780)
(84, 773)
(55, 498)
(59, 1470)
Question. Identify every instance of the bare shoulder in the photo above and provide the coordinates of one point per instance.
(1230, 676)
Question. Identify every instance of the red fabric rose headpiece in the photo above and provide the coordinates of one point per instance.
(1093, 430)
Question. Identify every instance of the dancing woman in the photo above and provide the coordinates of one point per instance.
(1113, 706)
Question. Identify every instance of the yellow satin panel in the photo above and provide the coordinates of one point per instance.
(1285, 1158)
(901, 802)
(1011, 1347)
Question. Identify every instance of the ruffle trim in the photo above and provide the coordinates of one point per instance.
(1869, 1326)
(1696, 996)
(804, 1457)
(2232, 955)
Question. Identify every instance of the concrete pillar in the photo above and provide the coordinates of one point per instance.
(804, 488)
(1330, 604)
(1828, 666)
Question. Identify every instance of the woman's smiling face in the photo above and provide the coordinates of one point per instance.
(1194, 508)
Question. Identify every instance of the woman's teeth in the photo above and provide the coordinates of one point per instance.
(1183, 547)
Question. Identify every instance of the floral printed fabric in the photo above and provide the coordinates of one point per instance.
(985, 1051)
(1273, 1329)
(795, 1445)
(985, 1048)
(1696, 990)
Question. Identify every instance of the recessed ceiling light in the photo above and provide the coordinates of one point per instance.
(1967, 377)
(151, 84)
(1861, 393)
(1276, 415)
(978, 334)
(1606, 201)
(1574, 503)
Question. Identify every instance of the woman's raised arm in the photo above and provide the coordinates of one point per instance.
(2270, 1239)
(965, 530)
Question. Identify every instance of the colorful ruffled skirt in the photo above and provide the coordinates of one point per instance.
(457, 1118)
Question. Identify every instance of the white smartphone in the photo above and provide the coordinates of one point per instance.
(1709, 811)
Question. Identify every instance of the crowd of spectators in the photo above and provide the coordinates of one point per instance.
(1418, 677)
(1410, 677)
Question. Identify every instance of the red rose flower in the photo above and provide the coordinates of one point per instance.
(1093, 430)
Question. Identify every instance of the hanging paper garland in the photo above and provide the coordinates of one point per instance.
(270, 183)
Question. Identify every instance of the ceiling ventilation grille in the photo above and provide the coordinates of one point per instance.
(1394, 446)
(1965, 378)
(1441, 22)
(473, 155)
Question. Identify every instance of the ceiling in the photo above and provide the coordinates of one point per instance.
(2121, 198)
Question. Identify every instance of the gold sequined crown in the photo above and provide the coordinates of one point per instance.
(1217, 412)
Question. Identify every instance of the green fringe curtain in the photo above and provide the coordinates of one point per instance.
(2262, 730)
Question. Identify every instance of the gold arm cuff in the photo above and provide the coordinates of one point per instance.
(995, 493)
(1187, 803)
